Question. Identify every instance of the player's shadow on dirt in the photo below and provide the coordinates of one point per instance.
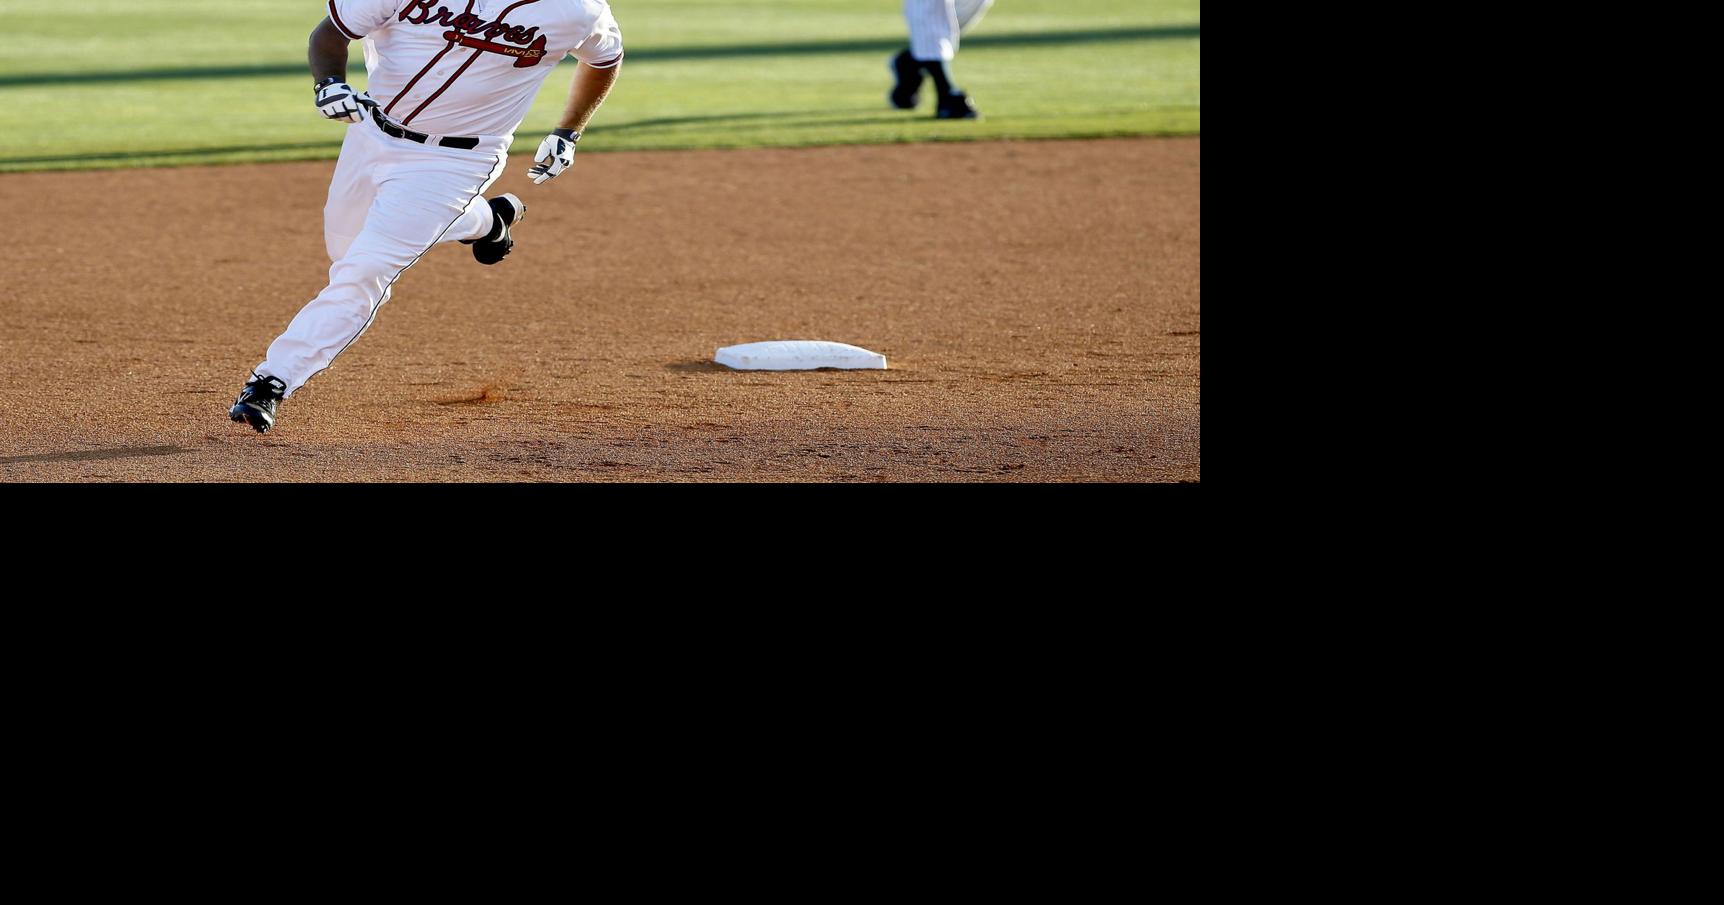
(96, 455)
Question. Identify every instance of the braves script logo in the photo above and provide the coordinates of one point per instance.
(464, 29)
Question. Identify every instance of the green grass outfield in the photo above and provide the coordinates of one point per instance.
(117, 83)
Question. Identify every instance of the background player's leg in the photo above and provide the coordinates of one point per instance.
(418, 204)
(933, 29)
(907, 76)
(941, 76)
(906, 68)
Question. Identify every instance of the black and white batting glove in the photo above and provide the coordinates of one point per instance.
(338, 101)
(556, 154)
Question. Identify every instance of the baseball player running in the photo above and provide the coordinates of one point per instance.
(449, 83)
(934, 29)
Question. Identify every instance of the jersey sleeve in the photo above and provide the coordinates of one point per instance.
(358, 18)
(603, 48)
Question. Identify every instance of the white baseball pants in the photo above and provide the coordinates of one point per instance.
(936, 24)
(390, 201)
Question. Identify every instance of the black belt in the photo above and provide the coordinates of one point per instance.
(465, 144)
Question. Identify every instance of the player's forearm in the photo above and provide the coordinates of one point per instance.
(586, 95)
(328, 52)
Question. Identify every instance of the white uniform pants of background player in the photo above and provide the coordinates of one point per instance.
(390, 201)
(936, 24)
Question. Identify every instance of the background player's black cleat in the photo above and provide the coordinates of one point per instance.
(256, 403)
(909, 74)
(956, 106)
(496, 246)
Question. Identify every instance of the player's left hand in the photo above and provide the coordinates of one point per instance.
(556, 154)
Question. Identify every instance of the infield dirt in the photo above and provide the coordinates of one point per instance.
(1039, 304)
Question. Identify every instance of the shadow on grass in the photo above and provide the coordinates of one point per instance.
(646, 54)
(887, 118)
(192, 153)
(848, 116)
(727, 118)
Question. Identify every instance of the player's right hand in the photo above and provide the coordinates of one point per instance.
(338, 101)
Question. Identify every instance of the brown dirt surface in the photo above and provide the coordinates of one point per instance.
(1038, 303)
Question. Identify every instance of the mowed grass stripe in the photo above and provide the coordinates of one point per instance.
(750, 74)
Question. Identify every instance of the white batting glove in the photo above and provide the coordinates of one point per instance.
(556, 154)
(338, 101)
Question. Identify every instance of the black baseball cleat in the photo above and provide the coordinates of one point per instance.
(256, 403)
(956, 106)
(909, 74)
(496, 246)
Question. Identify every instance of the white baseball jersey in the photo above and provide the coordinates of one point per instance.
(455, 69)
(936, 24)
(472, 67)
